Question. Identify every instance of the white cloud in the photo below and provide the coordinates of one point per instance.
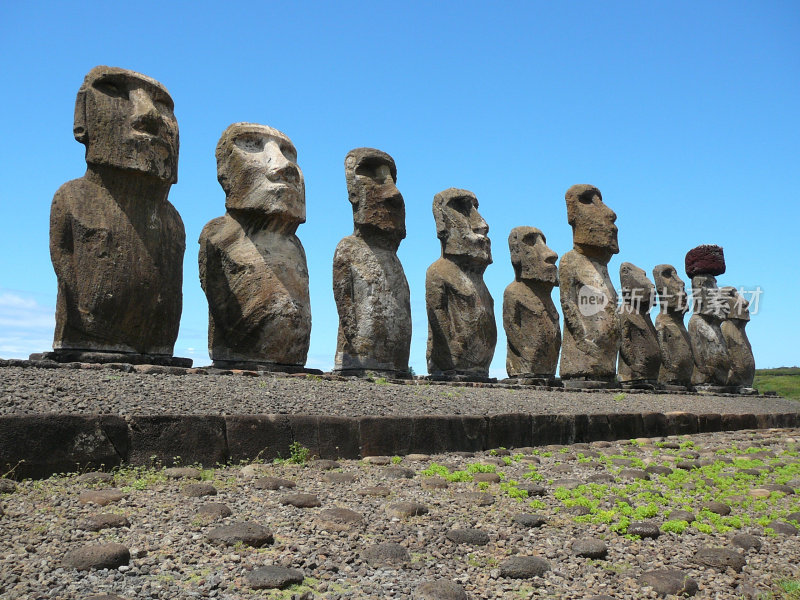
(27, 326)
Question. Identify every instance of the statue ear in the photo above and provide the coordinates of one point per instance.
(79, 124)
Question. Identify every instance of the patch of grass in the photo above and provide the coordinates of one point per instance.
(396, 460)
(298, 454)
(620, 397)
(787, 386)
(674, 526)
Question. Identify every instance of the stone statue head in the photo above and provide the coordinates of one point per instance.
(378, 206)
(125, 120)
(593, 229)
(709, 300)
(531, 258)
(257, 168)
(671, 289)
(637, 290)
(460, 227)
(738, 307)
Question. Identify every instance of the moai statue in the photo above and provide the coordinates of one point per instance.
(639, 354)
(711, 360)
(116, 242)
(743, 364)
(252, 265)
(369, 284)
(461, 328)
(530, 318)
(677, 361)
(588, 299)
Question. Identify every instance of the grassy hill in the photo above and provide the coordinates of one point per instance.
(784, 380)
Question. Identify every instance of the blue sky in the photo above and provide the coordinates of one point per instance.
(684, 114)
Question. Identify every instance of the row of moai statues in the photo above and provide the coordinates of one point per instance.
(117, 247)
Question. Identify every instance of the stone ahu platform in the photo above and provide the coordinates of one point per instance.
(75, 417)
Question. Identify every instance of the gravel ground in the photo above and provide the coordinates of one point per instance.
(36, 390)
(472, 536)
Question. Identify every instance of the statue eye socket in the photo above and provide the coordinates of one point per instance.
(163, 106)
(586, 198)
(371, 167)
(250, 143)
(462, 205)
(110, 88)
(289, 152)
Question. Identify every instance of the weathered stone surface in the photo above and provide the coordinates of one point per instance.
(43, 444)
(339, 519)
(273, 577)
(369, 284)
(472, 537)
(645, 529)
(403, 510)
(100, 497)
(639, 353)
(530, 318)
(104, 521)
(387, 554)
(214, 510)
(301, 500)
(462, 332)
(441, 589)
(116, 243)
(273, 483)
(720, 558)
(588, 300)
(677, 361)
(706, 259)
(746, 542)
(97, 556)
(589, 547)
(740, 352)
(250, 534)
(711, 360)
(670, 582)
(524, 567)
(252, 265)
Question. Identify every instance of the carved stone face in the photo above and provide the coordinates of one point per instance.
(738, 307)
(592, 221)
(125, 120)
(637, 289)
(671, 289)
(709, 300)
(371, 177)
(460, 227)
(257, 168)
(530, 256)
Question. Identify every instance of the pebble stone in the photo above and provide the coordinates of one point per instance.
(337, 477)
(100, 497)
(589, 547)
(746, 542)
(434, 483)
(273, 483)
(487, 477)
(472, 537)
(250, 534)
(273, 577)
(720, 558)
(97, 556)
(404, 510)
(339, 519)
(681, 515)
(670, 582)
(301, 500)
(524, 567)
(325, 464)
(719, 508)
(530, 520)
(199, 490)
(374, 490)
(7, 486)
(782, 527)
(441, 589)
(645, 529)
(378, 460)
(104, 521)
(214, 510)
(386, 554)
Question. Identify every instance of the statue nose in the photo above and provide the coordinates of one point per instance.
(478, 224)
(145, 114)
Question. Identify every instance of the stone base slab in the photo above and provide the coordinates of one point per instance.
(246, 365)
(371, 373)
(458, 377)
(86, 356)
(39, 445)
(589, 384)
